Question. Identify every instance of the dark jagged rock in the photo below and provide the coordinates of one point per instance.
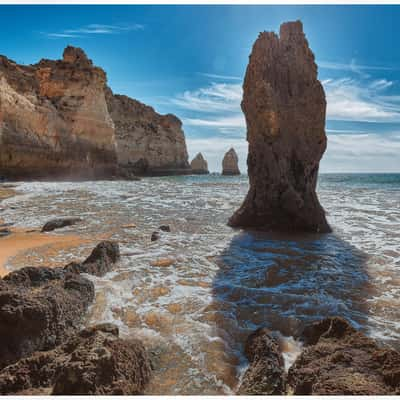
(39, 308)
(199, 165)
(266, 373)
(343, 361)
(4, 232)
(42, 307)
(230, 163)
(100, 261)
(95, 361)
(59, 223)
(165, 228)
(284, 105)
(155, 236)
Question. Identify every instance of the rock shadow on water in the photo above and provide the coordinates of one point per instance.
(284, 282)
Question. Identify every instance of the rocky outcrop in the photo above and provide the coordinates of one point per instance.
(336, 360)
(147, 142)
(59, 119)
(266, 373)
(284, 105)
(96, 361)
(342, 361)
(59, 223)
(230, 163)
(54, 119)
(42, 307)
(199, 165)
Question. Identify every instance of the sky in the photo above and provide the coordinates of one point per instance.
(190, 61)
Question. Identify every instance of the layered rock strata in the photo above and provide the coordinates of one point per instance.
(284, 105)
(59, 119)
(199, 165)
(147, 143)
(230, 163)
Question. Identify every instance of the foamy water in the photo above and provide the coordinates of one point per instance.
(194, 295)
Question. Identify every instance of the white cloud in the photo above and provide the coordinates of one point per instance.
(222, 77)
(94, 29)
(352, 100)
(352, 66)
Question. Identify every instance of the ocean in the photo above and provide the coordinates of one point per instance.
(194, 295)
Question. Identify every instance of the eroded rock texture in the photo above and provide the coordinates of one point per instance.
(54, 119)
(95, 361)
(266, 373)
(284, 105)
(41, 307)
(230, 163)
(199, 165)
(59, 119)
(147, 142)
(342, 361)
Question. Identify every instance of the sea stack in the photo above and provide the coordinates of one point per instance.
(230, 163)
(284, 105)
(199, 165)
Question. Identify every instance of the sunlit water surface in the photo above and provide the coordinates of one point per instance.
(216, 284)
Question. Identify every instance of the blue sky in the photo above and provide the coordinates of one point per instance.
(190, 61)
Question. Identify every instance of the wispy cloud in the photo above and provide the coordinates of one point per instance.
(221, 77)
(353, 67)
(94, 29)
(353, 100)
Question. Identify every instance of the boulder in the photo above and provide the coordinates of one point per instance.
(230, 163)
(265, 374)
(100, 261)
(199, 165)
(339, 360)
(59, 223)
(95, 361)
(284, 106)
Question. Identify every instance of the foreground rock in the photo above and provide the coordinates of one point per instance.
(343, 361)
(230, 163)
(60, 119)
(100, 261)
(199, 165)
(147, 142)
(284, 105)
(59, 223)
(266, 373)
(42, 307)
(95, 361)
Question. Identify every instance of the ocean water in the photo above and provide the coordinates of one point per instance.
(194, 295)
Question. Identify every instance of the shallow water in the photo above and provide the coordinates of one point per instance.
(194, 295)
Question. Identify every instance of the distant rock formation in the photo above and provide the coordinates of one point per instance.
(56, 120)
(147, 142)
(199, 165)
(230, 163)
(284, 105)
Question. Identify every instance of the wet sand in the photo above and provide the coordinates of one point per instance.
(21, 241)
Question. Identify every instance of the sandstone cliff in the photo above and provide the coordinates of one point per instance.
(147, 142)
(56, 120)
(199, 165)
(230, 163)
(284, 105)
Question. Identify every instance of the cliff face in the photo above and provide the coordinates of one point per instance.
(230, 163)
(54, 119)
(59, 119)
(147, 142)
(284, 105)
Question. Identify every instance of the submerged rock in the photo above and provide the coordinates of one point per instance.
(199, 165)
(165, 228)
(95, 361)
(266, 373)
(155, 236)
(284, 105)
(230, 163)
(100, 261)
(343, 361)
(59, 223)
